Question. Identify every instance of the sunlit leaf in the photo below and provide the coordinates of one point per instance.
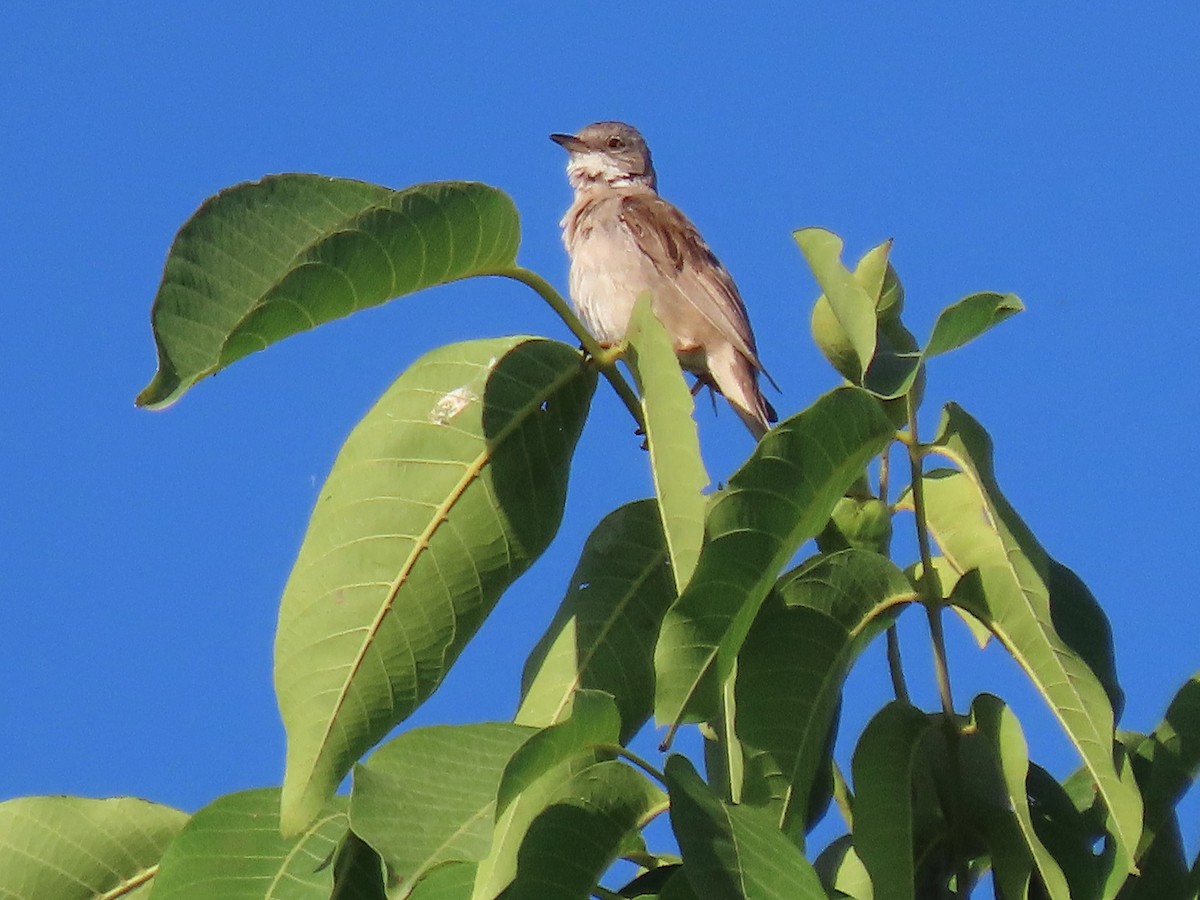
(266, 259)
(733, 852)
(74, 847)
(232, 849)
(444, 493)
(602, 637)
(779, 499)
(450, 881)
(1007, 588)
(845, 326)
(679, 475)
(970, 317)
(842, 871)
(594, 720)
(795, 661)
(428, 796)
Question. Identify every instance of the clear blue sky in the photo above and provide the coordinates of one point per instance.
(1022, 148)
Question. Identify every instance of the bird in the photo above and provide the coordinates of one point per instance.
(623, 239)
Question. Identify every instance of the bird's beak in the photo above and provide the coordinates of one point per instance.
(568, 141)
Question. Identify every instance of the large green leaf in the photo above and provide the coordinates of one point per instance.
(74, 847)
(779, 499)
(232, 849)
(444, 493)
(674, 445)
(574, 840)
(266, 259)
(603, 635)
(796, 658)
(733, 852)
(884, 768)
(979, 533)
(428, 796)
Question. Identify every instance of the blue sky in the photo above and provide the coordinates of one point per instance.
(1021, 148)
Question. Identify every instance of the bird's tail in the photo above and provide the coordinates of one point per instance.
(737, 378)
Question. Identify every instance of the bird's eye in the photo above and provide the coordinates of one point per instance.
(615, 143)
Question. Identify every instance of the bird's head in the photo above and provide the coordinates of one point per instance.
(609, 152)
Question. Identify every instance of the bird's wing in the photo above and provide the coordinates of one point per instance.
(677, 250)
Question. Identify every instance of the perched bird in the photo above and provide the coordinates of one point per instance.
(624, 239)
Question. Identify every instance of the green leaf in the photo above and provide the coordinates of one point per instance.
(850, 346)
(358, 872)
(1168, 760)
(573, 841)
(266, 259)
(428, 796)
(449, 881)
(679, 475)
(779, 499)
(74, 847)
(970, 317)
(594, 720)
(842, 871)
(884, 768)
(232, 849)
(733, 852)
(1008, 591)
(795, 661)
(602, 637)
(1064, 831)
(1008, 814)
(445, 492)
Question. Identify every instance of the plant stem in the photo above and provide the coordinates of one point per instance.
(895, 666)
(933, 603)
(626, 753)
(605, 360)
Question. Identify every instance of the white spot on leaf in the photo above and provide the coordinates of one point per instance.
(451, 404)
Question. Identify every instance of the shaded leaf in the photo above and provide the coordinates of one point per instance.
(733, 852)
(232, 849)
(979, 533)
(445, 492)
(1167, 761)
(796, 659)
(603, 635)
(674, 445)
(266, 259)
(1064, 831)
(75, 847)
(358, 872)
(884, 768)
(428, 796)
(996, 736)
(970, 317)
(779, 499)
(573, 841)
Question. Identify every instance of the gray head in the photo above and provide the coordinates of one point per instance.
(609, 152)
